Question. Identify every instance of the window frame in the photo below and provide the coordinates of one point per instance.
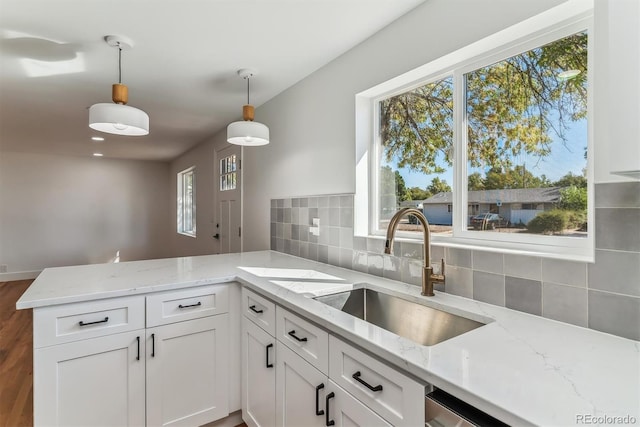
(558, 22)
(182, 205)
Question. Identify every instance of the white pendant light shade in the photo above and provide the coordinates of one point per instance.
(248, 133)
(118, 119)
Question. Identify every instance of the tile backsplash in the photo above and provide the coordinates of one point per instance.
(604, 295)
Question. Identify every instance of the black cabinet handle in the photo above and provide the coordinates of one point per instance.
(190, 305)
(253, 308)
(269, 365)
(81, 323)
(153, 345)
(138, 339)
(356, 377)
(329, 422)
(318, 410)
(292, 333)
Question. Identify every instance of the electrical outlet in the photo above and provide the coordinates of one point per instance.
(3, 268)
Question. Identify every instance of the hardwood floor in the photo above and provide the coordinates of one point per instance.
(16, 357)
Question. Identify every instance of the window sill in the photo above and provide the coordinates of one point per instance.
(524, 249)
(193, 235)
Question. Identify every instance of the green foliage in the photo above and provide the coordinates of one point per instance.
(417, 193)
(550, 222)
(573, 199)
(438, 186)
(516, 177)
(512, 108)
(476, 182)
(571, 180)
(576, 219)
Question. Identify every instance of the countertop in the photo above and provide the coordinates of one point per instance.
(520, 368)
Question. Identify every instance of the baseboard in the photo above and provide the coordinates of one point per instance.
(19, 275)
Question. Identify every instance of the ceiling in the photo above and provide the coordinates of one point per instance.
(54, 64)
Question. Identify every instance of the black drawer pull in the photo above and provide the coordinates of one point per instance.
(318, 410)
(329, 422)
(153, 345)
(81, 323)
(190, 305)
(269, 365)
(138, 339)
(292, 333)
(356, 377)
(253, 308)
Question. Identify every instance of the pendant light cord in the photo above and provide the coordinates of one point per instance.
(248, 78)
(119, 64)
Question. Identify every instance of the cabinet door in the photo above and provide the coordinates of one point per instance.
(345, 410)
(258, 376)
(299, 388)
(187, 372)
(98, 381)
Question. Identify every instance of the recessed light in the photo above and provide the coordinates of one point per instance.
(98, 154)
(97, 138)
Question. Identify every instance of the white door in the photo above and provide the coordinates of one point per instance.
(258, 376)
(187, 372)
(345, 410)
(94, 382)
(229, 201)
(300, 391)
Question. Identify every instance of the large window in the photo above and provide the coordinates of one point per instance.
(187, 202)
(493, 148)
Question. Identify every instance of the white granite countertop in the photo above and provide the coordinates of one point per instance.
(520, 368)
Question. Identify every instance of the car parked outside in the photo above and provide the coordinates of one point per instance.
(488, 221)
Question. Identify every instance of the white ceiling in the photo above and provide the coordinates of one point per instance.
(181, 70)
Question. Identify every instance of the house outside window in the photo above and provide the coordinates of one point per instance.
(187, 202)
(501, 130)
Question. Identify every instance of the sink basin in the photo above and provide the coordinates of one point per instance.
(416, 322)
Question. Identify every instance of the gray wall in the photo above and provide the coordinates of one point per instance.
(64, 210)
(604, 296)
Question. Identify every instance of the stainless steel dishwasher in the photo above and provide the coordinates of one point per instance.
(444, 410)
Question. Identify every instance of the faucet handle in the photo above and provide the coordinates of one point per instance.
(438, 267)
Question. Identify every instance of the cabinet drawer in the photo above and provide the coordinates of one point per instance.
(306, 339)
(260, 310)
(393, 395)
(78, 321)
(187, 304)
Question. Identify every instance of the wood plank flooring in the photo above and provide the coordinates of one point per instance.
(16, 357)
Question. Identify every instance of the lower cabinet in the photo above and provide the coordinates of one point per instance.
(98, 381)
(258, 376)
(306, 397)
(187, 372)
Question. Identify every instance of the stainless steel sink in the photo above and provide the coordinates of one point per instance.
(419, 323)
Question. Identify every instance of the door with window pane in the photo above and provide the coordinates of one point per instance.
(228, 226)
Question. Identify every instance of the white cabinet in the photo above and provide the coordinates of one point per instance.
(306, 397)
(300, 390)
(345, 410)
(96, 364)
(258, 375)
(618, 24)
(97, 381)
(187, 372)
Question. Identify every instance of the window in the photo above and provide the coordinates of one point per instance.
(499, 130)
(187, 202)
(228, 173)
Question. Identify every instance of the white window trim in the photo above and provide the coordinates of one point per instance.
(563, 20)
(180, 217)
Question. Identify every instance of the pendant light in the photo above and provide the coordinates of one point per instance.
(247, 132)
(119, 118)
